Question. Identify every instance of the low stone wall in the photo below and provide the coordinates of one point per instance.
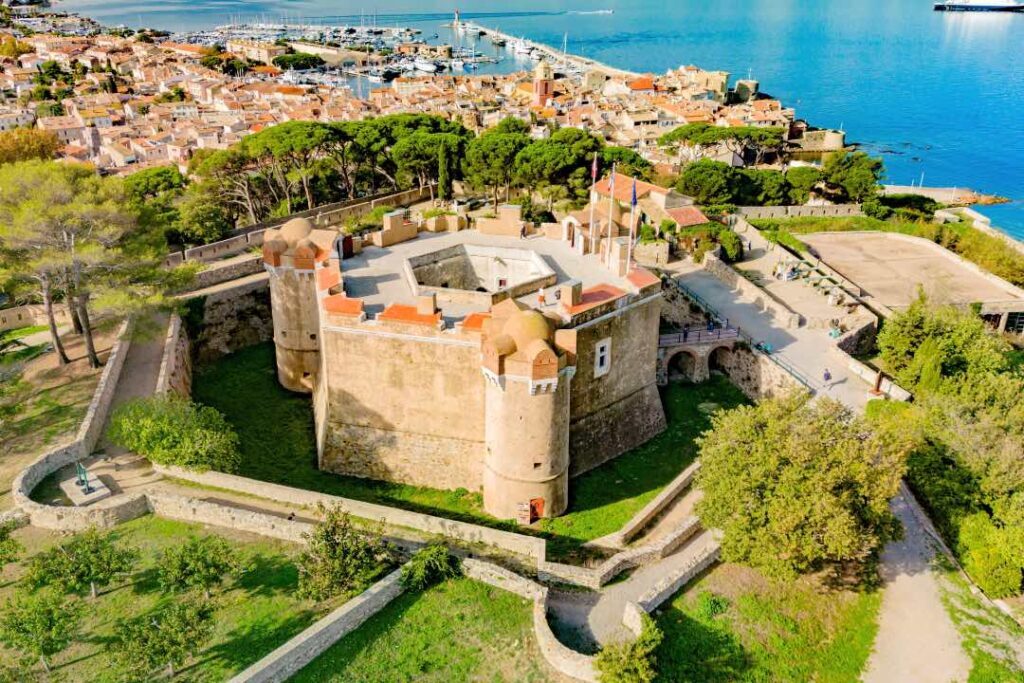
(655, 507)
(669, 585)
(198, 511)
(860, 339)
(835, 210)
(499, 577)
(756, 374)
(217, 273)
(31, 314)
(595, 577)
(748, 291)
(290, 658)
(889, 388)
(652, 254)
(518, 544)
(104, 513)
(176, 362)
(562, 659)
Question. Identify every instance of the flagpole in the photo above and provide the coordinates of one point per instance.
(593, 204)
(632, 219)
(611, 208)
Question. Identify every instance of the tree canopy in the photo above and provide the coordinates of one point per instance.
(24, 144)
(798, 486)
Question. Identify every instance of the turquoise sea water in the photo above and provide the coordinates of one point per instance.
(938, 94)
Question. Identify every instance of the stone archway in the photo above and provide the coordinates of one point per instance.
(689, 363)
(721, 359)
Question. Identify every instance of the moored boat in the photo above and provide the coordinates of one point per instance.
(979, 6)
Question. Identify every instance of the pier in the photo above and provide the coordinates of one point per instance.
(554, 56)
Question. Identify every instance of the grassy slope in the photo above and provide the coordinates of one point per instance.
(253, 616)
(276, 431)
(785, 631)
(460, 630)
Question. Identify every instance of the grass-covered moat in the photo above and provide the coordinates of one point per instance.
(254, 613)
(459, 630)
(275, 428)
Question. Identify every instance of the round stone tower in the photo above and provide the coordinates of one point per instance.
(297, 257)
(526, 465)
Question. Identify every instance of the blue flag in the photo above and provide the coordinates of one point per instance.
(634, 193)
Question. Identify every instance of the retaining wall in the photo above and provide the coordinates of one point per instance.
(176, 362)
(756, 374)
(748, 291)
(290, 658)
(632, 614)
(835, 210)
(217, 273)
(653, 508)
(527, 546)
(889, 388)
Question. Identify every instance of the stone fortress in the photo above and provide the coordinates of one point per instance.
(453, 358)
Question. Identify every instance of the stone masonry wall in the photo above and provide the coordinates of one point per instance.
(755, 374)
(229, 320)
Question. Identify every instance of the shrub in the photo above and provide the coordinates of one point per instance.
(339, 558)
(201, 562)
(874, 208)
(632, 661)
(170, 430)
(88, 560)
(433, 564)
(786, 239)
(732, 245)
(991, 555)
(10, 548)
(165, 639)
(39, 625)
(710, 605)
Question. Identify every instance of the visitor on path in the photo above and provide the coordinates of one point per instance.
(522, 231)
(828, 378)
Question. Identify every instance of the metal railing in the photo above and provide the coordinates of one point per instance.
(699, 336)
(755, 345)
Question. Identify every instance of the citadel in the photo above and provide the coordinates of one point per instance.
(476, 359)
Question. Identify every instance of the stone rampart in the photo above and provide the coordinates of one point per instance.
(216, 273)
(756, 374)
(231, 319)
(828, 211)
(888, 388)
(96, 414)
(658, 504)
(518, 544)
(290, 658)
(176, 361)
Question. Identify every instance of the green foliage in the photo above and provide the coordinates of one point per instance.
(798, 486)
(444, 173)
(338, 558)
(853, 176)
(710, 605)
(491, 160)
(631, 661)
(739, 139)
(992, 555)
(802, 180)
(170, 430)
(707, 181)
(299, 61)
(10, 548)
(89, 560)
(201, 562)
(41, 624)
(628, 162)
(165, 639)
(153, 182)
(13, 48)
(873, 208)
(430, 565)
(786, 239)
(732, 245)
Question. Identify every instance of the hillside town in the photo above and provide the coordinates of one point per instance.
(125, 103)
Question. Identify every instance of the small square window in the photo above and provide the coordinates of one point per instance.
(602, 357)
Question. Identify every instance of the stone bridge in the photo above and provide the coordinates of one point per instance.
(692, 352)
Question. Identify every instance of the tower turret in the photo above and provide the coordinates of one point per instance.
(298, 259)
(526, 465)
(543, 83)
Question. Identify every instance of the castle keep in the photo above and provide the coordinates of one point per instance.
(467, 358)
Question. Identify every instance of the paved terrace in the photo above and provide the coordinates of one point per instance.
(890, 267)
(376, 275)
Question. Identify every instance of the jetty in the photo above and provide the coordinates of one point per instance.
(553, 55)
(953, 196)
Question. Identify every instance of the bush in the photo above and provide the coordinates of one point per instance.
(990, 555)
(873, 208)
(732, 245)
(164, 639)
(88, 560)
(201, 562)
(632, 661)
(786, 239)
(339, 558)
(170, 430)
(433, 564)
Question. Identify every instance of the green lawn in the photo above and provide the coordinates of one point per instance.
(19, 332)
(254, 615)
(275, 428)
(735, 625)
(460, 630)
(602, 500)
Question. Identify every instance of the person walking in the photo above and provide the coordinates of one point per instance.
(828, 378)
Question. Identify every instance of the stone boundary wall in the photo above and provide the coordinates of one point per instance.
(748, 291)
(499, 577)
(656, 505)
(519, 544)
(668, 586)
(757, 375)
(293, 656)
(321, 216)
(240, 519)
(826, 211)
(176, 361)
(595, 577)
(31, 314)
(216, 273)
(889, 388)
(104, 513)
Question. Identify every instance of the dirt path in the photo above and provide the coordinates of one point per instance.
(917, 640)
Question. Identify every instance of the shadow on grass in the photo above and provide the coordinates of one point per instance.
(268, 576)
(699, 650)
(278, 444)
(250, 641)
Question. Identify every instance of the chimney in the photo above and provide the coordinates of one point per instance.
(426, 304)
